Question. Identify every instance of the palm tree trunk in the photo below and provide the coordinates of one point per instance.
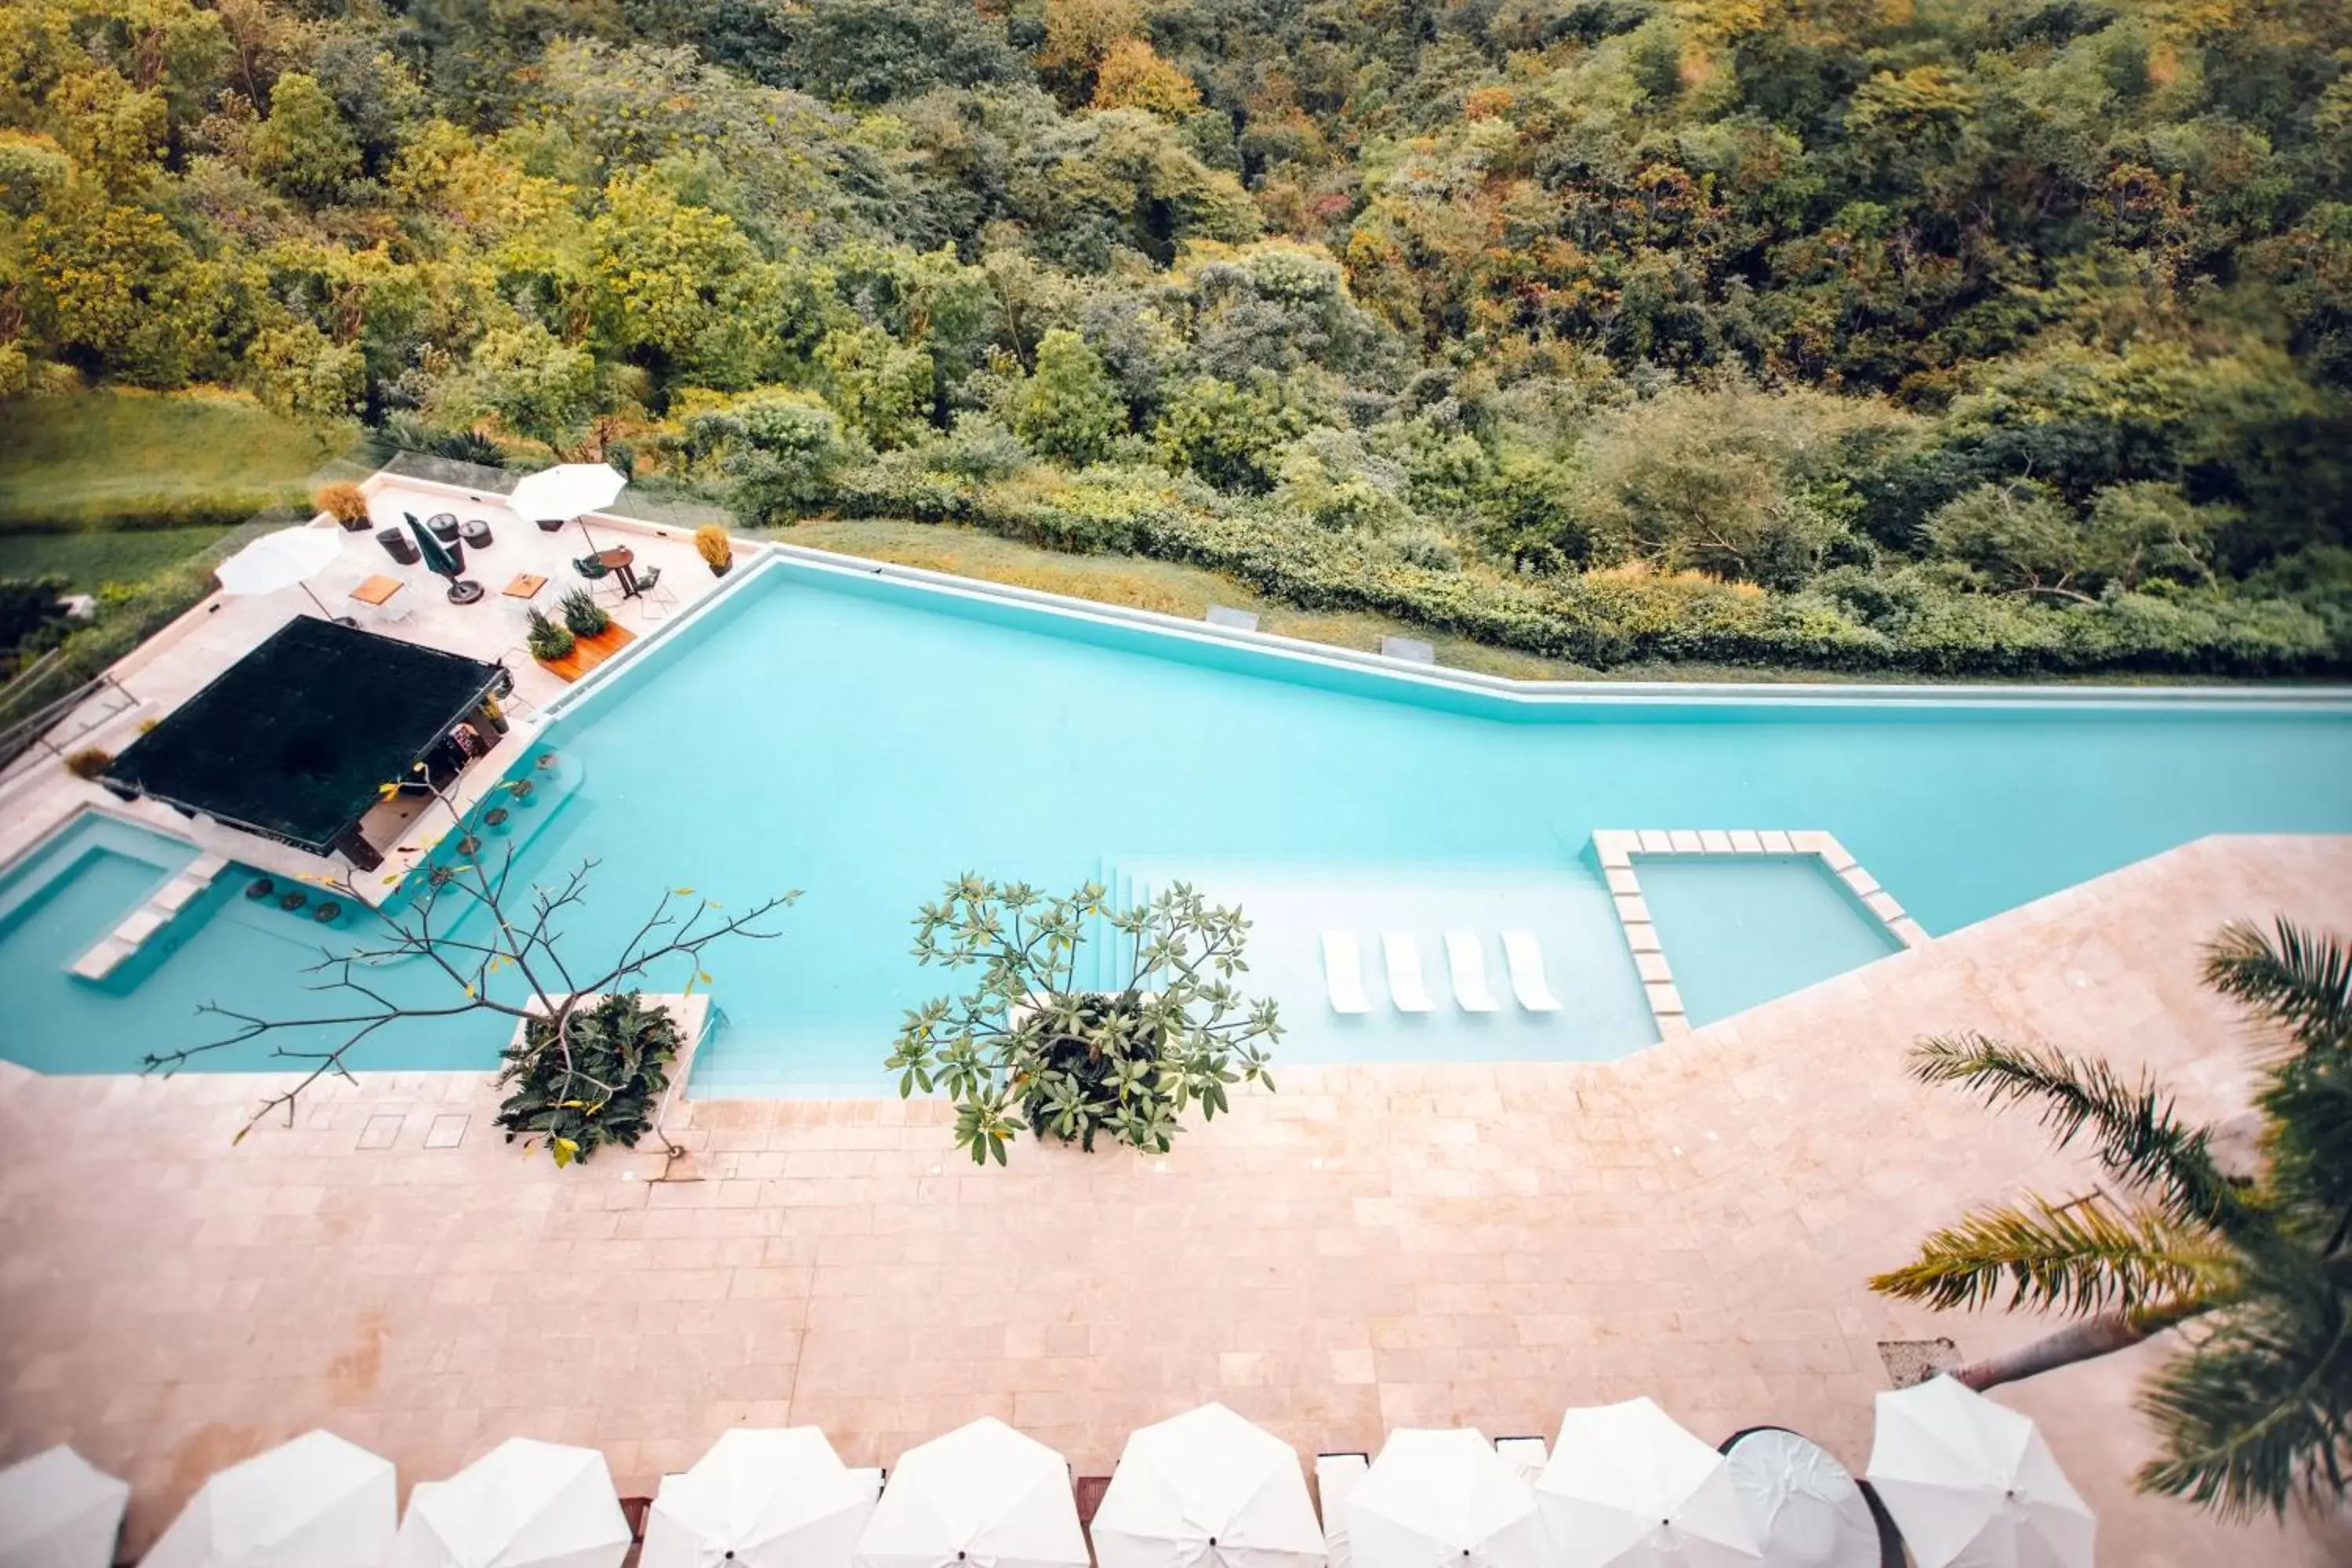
(2086, 1340)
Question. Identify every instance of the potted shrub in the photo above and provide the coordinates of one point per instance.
(89, 761)
(717, 551)
(602, 1083)
(344, 503)
(583, 614)
(1029, 1044)
(548, 640)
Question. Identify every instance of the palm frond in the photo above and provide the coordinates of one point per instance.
(2306, 1103)
(2300, 979)
(2259, 1405)
(2074, 1258)
(2140, 1139)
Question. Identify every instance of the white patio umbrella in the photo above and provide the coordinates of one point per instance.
(1444, 1500)
(1972, 1485)
(566, 490)
(1207, 1488)
(1628, 1488)
(766, 1499)
(289, 558)
(985, 1496)
(1805, 1510)
(59, 1511)
(524, 1504)
(315, 1502)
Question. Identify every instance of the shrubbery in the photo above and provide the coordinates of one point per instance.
(1852, 618)
(602, 1084)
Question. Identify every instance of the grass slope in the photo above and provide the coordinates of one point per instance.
(100, 459)
(89, 558)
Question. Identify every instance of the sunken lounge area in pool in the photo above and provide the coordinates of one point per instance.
(1521, 1175)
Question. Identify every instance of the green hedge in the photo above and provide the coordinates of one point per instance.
(1898, 622)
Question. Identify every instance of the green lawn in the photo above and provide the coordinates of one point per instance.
(89, 557)
(1165, 587)
(94, 458)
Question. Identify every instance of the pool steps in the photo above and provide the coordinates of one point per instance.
(1615, 849)
(105, 955)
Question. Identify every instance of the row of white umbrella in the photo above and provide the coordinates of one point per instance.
(1970, 1484)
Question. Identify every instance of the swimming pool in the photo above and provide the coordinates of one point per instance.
(865, 738)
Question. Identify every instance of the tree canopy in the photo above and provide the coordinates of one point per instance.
(1946, 334)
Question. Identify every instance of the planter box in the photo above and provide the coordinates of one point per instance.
(587, 653)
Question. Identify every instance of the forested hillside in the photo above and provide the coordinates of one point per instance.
(1942, 335)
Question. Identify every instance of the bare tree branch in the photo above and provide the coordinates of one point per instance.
(525, 941)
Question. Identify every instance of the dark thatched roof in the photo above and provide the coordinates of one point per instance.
(296, 739)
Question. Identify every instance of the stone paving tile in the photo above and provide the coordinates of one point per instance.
(1376, 1245)
(378, 1132)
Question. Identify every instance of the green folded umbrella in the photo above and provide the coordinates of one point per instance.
(444, 560)
(438, 560)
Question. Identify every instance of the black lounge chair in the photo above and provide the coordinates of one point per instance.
(443, 525)
(476, 532)
(398, 545)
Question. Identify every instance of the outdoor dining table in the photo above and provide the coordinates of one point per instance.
(619, 559)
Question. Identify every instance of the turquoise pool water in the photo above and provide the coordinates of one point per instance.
(863, 739)
(222, 949)
(1745, 930)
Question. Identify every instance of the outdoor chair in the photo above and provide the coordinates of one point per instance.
(600, 579)
(657, 600)
(398, 545)
(476, 532)
(443, 525)
(1527, 981)
(1402, 951)
(1343, 972)
(1465, 955)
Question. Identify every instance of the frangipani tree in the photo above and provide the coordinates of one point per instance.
(473, 940)
(1125, 1055)
(2247, 1259)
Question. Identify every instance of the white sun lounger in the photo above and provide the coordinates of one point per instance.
(1405, 987)
(1336, 1476)
(1343, 972)
(1528, 971)
(1467, 959)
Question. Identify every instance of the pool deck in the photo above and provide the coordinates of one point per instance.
(173, 664)
(1374, 1246)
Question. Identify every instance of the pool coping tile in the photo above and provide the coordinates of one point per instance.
(1615, 849)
